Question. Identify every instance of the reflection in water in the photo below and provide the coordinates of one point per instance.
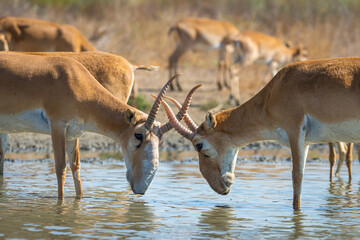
(217, 222)
(139, 216)
(342, 196)
(298, 219)
(63, 208)
(178, 205)
(2, 185)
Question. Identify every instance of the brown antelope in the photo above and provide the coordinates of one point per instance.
(258, 47)
(75, 102)
(346, 155)
(304, 103)
(3, 43)
(27, 35)
(343, 154)
(112, 71)
(204, 33)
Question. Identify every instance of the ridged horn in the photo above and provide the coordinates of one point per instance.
(183, 131)
(182, 113)
(155, 107)
(183, 109)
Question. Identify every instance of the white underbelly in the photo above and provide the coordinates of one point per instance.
(346, 131)
(28, 121)
(37, 122)
(319, 132)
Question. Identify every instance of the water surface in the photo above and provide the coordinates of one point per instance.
(178, 205)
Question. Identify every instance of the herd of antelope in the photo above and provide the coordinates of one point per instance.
(77, 89)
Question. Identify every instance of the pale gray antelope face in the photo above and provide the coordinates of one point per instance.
(217, 157)
(141, 145)
(142, 156)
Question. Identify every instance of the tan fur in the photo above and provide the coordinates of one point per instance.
(113, 72)
(332, 158)
(258, 47)
(26, 34)
(67, 92)
(345, 154)
(192, 33)
(325, 90)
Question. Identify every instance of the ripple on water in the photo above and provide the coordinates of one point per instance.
(179, 203)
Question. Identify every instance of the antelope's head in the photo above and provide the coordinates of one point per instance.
(3, 43)
(217, 158)
(298, 53)
(141, 144)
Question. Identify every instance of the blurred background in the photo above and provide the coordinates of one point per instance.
(137, 29)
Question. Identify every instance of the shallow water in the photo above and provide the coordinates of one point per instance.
(178, 205)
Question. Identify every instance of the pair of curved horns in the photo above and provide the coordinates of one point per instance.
(174, 121)
(155, 107)
(182, 112)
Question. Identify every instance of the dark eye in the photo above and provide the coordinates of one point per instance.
(139, 137)
(199, 146)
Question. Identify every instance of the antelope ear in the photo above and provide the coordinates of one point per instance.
(210, 121)
(130, 117)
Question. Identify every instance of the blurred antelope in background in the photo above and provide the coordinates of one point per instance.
(304, 103)
(345, 153)
(258, 47)
(204, 34)
(33, 35)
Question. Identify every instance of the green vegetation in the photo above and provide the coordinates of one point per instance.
(140, 103)
(209, 105)
(115, 155)
(214, 104)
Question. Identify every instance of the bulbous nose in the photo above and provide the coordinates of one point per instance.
(140, 192)
(138, 189)
(228, 179)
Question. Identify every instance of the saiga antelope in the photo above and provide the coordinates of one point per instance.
(204, 33)
(345, 154)
(33, 35)
(75, 102)
(258, 47)
(112, 71)
(304, 103)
